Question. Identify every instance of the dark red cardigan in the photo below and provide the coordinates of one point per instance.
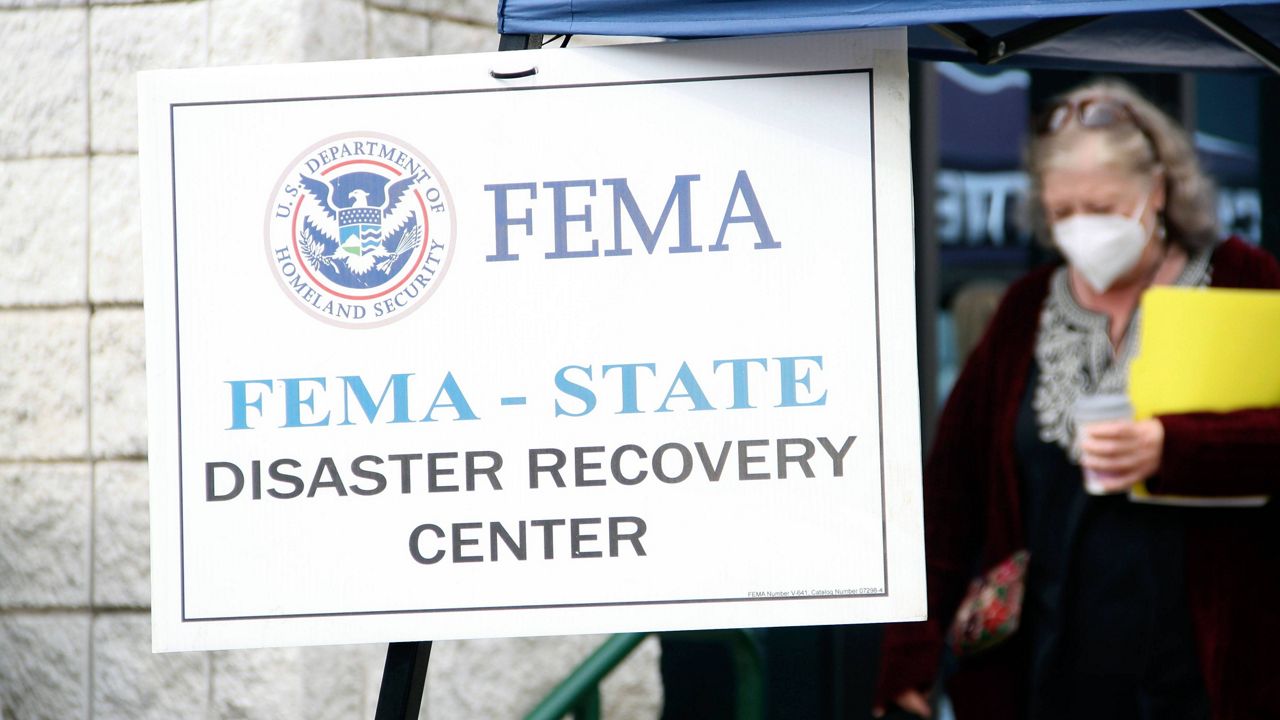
(973, 520)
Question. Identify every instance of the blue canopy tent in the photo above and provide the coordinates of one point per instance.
(1168, 35)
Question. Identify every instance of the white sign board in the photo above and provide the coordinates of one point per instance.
(623, 344)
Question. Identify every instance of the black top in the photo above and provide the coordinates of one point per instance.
(1105, 613)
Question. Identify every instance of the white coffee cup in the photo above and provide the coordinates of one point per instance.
(1092, 409)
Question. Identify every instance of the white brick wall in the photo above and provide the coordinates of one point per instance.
(115, 241)
(117, 383)
(46, 83)
(43, 203)
(397, 34)
(44, 398)
(44, 535)
(132, 683)
(45, 668)
(74, 546)
(124, 39)
(121, 548)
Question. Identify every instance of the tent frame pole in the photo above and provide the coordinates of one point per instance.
(989, 49)
(992, 49)
(519, 42)
(1240, 35)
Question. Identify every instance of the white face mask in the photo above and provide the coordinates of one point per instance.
(1102, 248)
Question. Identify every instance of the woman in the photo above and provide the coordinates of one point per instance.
(1131, 611)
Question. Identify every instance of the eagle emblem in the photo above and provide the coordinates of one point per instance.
(362, 230)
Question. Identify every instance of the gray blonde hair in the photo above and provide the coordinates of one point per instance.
(1157, 145)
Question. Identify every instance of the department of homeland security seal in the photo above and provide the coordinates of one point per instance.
(360, 229)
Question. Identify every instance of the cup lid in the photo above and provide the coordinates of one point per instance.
(1103, 406)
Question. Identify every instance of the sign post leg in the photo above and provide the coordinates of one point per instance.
(403, 677)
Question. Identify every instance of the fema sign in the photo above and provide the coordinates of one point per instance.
(624, 343)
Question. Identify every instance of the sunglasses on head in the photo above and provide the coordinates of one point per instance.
(1092, 113)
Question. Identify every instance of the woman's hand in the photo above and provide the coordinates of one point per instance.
(911, 701)
(1123, 452)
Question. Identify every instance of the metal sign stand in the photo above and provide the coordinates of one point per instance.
(403, 678)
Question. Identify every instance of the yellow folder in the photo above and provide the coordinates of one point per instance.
(1206, 350)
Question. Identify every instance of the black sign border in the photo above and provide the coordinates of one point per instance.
(875, 242)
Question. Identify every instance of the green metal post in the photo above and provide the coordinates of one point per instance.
(579, 693)
(586, 677)
(588, 707)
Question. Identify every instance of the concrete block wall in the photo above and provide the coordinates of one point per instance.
(74, 547)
